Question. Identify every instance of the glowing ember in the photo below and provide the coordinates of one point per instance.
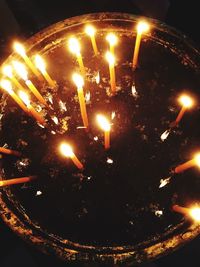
(96, 138)
(62, 106)
(38, 193)
(164, 182)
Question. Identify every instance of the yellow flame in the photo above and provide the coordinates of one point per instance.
(142, 26)
(78, 80)
(110, 58)
(97, 78)
(112, 38)
(90, 30)
(6, 85)
(186, 101)
(24, 97)
(74, 45)
(7, 71)
(40, 63)
(103, 123)
(66, 150)
(197, 159)
(195, 213)
(19, 48)
(20, 70)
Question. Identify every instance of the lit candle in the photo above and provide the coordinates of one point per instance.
(193, 212)
(7, 71)
(189, 164)
(7, 86)
(186, 102)
(106, 127)
(17, 181)
(22, 72)
(32, 111)
(9, 152)
(141, 28)
(90, 30)
(74, 47)
(78, 80)
(67, 151)
(40, 64)
(111, 61)
(112, 40)
(19, 48)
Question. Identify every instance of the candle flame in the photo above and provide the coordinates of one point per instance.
(110, 58)
(19, 48)
(24, 97)
(195, 213)
(186, 101)
(103, 123)
(112, 38)
(6, 85)
(78, 80)
(20, 70)
(90, 30)
(142, 26)
(40, 63)
(66, 150)
(7, 71)
(74, 45)
(197, 159)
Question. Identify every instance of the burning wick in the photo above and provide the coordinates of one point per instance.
(106, 127)
(19, 48)
(7, 71)
(78, 80)
(74, 47)
(194, 212)
(189, 164)
(90, 30)
(9, 152)
(17, 180)
(7, 86)
(40, 64)
(67, 151)
(141, 28)
(111, 61)
(186, 102)
(27, 102)
(112, 40)
(22, 72)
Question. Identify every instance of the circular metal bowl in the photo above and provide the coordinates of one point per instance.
(15, 216)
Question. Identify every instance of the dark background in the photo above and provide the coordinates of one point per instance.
(23, 18)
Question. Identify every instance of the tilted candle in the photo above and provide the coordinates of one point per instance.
(193, 212)
(78, 80)
(111, 61)
(189, 164)
(67, 151)
(90, 30)
(7, 71)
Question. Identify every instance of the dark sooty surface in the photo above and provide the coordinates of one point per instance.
(116, 201)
